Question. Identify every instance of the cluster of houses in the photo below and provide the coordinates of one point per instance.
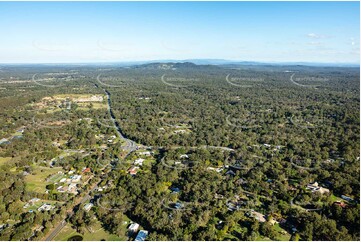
(133, 170)
(133, 229)
(71, 181)
(16, 136)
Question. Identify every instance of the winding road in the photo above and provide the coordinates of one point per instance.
(129, 146)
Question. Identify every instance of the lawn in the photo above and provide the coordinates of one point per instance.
(95, 105)
(3, 160)
(37, 182)
(283, 235)
(98, 234)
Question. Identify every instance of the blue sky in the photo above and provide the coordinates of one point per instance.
(59, 32)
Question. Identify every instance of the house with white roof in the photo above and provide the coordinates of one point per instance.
(139, 162)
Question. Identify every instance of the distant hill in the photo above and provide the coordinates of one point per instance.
(172, 66)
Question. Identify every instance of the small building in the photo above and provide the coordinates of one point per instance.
(218, 196)
(346, 198)
(63, 180)
(60, 189)
(340, 204)
(175, 190)
(72, 188)
(258, 216)
(146, 153)
(76, 178)
(218, 169)
(141, 236)
(139, 162)
(179, 131)
(88, 206)
(178, 205)
(133, 170)
(230, 172)
(133, 228)
(4, 141)
(86, 170)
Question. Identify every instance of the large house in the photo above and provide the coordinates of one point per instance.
(314, 187)
(45, 207)
(139, 162)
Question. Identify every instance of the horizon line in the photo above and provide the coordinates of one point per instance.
(182, 60)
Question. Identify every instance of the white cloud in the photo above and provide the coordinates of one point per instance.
(313, 43)
(316, 36)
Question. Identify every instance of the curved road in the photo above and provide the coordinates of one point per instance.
(130, 146)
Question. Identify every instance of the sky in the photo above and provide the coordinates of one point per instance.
(82, 32)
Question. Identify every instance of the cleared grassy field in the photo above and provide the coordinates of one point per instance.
(3, 160)
(95, 105)
(37, 182)
(283, 235)
(97, 234)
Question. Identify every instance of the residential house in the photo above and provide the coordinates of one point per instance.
(139, 162)
(219, 169)
(88, 206)
(4, 141)
(178, 205)
(146, 153)
(258, 216)
(34, 200)
(179, 131)
(141, 235)
(60, 189)
(76, 178)
(175, 190)
(133, 170)
(346, 198)
(45, 207)
(133, 228)
(218, 196)
(230, 172)
(340, 204)
(72, 188)
(86, 170)
(314, 187)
